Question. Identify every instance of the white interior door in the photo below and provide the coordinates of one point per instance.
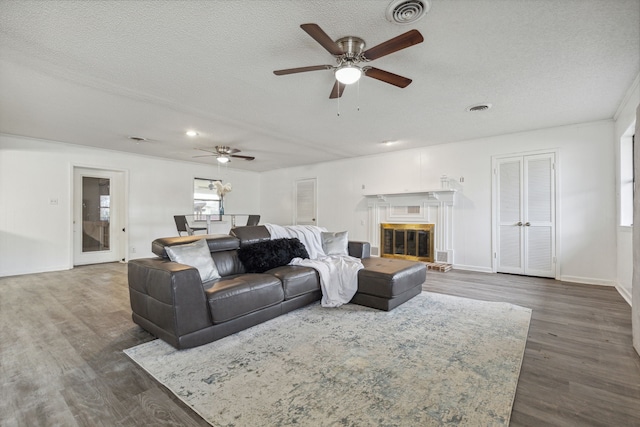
(98, 225)
(525, 223)
(306, 202)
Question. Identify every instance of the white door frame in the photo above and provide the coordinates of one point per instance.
(119, 225)
(494, 206)
(314, 219)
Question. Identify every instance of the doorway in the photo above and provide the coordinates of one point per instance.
(306, 202)
(524, 215)
(98, 216)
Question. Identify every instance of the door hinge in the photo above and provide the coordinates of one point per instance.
(495, 255)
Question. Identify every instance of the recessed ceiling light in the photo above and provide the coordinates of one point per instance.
(389, 142)
(192, 133)
(478, 107)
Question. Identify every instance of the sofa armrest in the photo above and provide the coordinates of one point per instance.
(168, 295)
(359, 249)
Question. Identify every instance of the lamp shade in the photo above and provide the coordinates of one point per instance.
(348, 74)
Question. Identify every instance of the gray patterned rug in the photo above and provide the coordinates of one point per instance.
(435, 360)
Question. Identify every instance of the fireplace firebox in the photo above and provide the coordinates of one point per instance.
(407, 241)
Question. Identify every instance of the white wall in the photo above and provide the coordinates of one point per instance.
(35, 236)
(586, 185)
(625, 119)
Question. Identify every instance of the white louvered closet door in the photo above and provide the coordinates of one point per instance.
(526, 215)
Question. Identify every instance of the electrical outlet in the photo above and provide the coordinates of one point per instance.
(462, 179)
(53, 201)
(133, 250)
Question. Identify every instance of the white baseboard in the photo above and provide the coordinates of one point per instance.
(34, 271)
(625, 294)
(472, 268)
(586, 280)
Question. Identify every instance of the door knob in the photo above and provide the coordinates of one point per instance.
(519, 224)
(527, 223)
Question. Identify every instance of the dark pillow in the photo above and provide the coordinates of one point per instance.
(262, 256)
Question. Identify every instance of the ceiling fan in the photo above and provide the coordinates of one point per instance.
(349, 53)
(224, 153)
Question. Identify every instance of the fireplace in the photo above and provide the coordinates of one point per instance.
(407, 241)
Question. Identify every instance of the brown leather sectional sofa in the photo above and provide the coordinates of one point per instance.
(170, 301)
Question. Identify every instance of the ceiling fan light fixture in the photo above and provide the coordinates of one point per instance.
(348, 74)
(223, 159)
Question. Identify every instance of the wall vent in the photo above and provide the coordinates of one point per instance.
(445, 257)
(405, 210)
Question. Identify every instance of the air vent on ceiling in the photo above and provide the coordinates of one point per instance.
(137, 138)
(478, 107)
(407, 11)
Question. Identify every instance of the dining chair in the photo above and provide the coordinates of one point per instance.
(183, 226)
(253, 220)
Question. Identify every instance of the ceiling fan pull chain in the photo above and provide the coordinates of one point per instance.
(339, 100)
(358, 97)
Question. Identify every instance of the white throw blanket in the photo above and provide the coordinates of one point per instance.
(338, 273)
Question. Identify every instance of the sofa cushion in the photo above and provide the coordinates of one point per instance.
(262, 256)
(297, 280)
(216, 242)
(335, 243)
(195, 254)
(251, 234)
(236, 296)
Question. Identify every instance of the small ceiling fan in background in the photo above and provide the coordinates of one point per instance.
(349, 53)
(224, 153)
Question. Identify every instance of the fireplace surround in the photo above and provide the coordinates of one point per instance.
(407, 241)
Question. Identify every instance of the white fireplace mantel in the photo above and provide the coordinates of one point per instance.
(441, 195)
(427, 206)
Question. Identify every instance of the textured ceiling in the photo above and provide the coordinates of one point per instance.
(96, 72)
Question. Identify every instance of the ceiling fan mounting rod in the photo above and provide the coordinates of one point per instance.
(351, 46)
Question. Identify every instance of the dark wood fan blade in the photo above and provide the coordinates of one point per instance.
(337, 91)
(206, 151)
(393, 45)
(387, 77)
(321, 37)
(301, 69)
(243, 157)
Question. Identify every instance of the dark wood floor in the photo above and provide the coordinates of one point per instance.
(62, 336)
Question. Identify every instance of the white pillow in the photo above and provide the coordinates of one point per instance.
(197, 255)
(335, 243)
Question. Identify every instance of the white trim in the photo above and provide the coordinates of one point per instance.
(625, 294)
(472, 268)
(587, 281)
(627, 97)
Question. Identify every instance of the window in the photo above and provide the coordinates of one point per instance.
(105, 202)
(627, 177)
(205, 198)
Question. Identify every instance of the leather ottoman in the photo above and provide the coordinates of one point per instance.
(385, 283)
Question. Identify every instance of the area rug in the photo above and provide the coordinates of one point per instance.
(435, 360)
